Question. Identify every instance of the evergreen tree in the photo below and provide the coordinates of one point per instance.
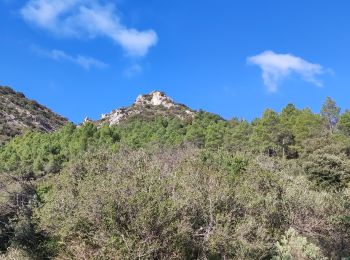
(344, 123)
(214, 135)
(330, 112)
(265, 131)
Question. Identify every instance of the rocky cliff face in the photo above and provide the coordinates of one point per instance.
(18, 113)
(148, 106)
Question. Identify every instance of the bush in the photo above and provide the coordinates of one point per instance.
(328, 171)
(15, 254)
(293, 246)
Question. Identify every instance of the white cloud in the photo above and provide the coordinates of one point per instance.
(83, 61)
(276, 67)
(89, 18)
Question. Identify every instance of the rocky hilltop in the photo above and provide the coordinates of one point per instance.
(18, 113)
(148, 106)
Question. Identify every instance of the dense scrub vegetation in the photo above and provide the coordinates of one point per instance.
(162, 188)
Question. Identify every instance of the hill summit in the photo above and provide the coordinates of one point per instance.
(146, 107)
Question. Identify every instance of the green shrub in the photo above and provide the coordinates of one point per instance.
(293, 246)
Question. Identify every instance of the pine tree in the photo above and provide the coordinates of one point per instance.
(344, 123)
(330, 112)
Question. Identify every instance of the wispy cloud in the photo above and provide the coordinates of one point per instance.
(59, 55)
(132, 71)
(276, 67)
(88, 18)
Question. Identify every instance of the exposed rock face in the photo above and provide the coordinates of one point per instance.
(156, 103)
(18, 113)
(155, 98)
(87, 120)
(118, 115)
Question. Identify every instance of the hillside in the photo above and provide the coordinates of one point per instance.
(18, 113)
(156, 180)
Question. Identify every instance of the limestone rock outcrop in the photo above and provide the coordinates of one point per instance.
(156, 103)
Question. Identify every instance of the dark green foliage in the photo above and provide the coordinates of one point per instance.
(344, 123)
(328, 171)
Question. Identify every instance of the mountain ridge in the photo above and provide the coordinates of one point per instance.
(18, 113)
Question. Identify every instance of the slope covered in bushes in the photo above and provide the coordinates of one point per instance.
(164, 188)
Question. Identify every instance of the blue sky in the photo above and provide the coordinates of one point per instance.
(234, 58)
